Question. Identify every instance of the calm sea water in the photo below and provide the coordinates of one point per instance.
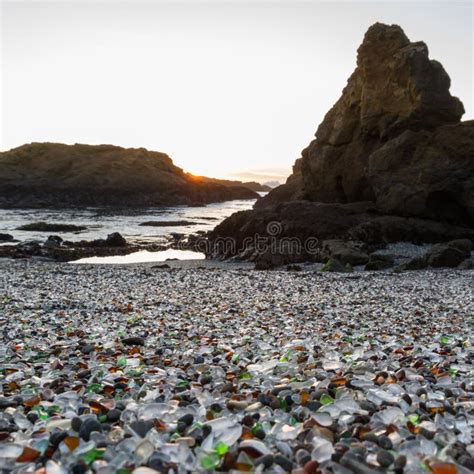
(101, 222)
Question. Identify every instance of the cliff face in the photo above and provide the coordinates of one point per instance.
(393, 137)
(57, 175)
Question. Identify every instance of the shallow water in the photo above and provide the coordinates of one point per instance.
(101, 222)
(145, 256)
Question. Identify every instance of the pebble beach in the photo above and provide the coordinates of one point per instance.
(208, 368)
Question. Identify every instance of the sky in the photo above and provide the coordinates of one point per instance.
(230, 89)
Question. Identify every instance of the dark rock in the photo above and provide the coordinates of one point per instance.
(467, 264)
(115, 240)
(357, 466)
(79, 467)
(142, 427)
(293, 268)
(47, 227)
(385, 458)
(161, 266)
(53, 241)
(334, 265)
(390, 163)
(6, 237)
(266, 461)
(167, 223)
(416, 263)
(87, 427)
(113, 415)
(187, 419)
(76, 423)
(347, 252)
(400, 463)
(87, 348)
(450, 254)
(284, 462)
(385, 442)
(305, 225)
(379, 262)
(7, 402)
(383, 141)
(133, 341)
(463, 245)
(56, 438)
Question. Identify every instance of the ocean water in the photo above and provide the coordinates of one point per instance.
(101, 222)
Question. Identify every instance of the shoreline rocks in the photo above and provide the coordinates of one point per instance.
(391, 162)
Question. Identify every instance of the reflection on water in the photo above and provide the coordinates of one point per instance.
(145, 256)
(100, 222)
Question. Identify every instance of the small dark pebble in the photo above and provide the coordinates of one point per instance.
(385, 442)
(187, 419)
(133, 341)
(284, 462)
(267, 460)
(205, 379)
(57, 437)
(385, 458)
(400, 463)
(87, 348)
(113, 415)
(76, 423)
(79, 468)
(142, 427)
(87, 427)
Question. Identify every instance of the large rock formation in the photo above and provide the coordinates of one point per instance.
(57, 175)
(394, 138)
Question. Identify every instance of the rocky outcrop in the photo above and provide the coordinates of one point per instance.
(298, 231)
(57, 175)
(427, 173)
(393, 137)
(391, 162)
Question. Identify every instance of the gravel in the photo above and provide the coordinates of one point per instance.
(130, 369)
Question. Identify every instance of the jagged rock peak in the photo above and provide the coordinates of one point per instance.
(394, 87)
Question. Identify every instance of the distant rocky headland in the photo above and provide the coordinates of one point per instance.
(391, 162)
(58, 175)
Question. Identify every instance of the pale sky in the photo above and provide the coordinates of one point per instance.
(226, 88)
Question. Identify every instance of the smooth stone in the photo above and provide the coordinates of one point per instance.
(385, 458)
(87, 427)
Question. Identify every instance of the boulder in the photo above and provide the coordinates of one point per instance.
(351, 252)
(394, 137)
(379, 262)
(53, 241)
(450, 254)
(391, 162)
(415, 263)
(467, 264)
(115, 240)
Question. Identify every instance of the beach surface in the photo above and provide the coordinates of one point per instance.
(213, 367)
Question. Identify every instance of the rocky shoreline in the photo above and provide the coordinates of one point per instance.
(139, 370)
(390, 162)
